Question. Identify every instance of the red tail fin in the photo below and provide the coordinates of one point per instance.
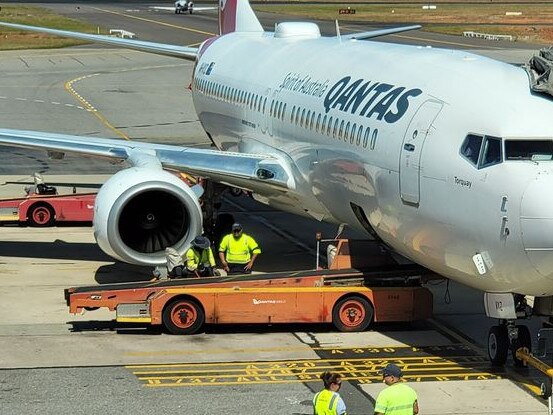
(237, 16)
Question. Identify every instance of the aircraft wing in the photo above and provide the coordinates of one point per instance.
(195, 8)
(183, 52)
(255, 172)
(381, 32)
(164, 8)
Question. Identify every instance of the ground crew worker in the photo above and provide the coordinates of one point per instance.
(238, 251)
(328, 401)
(199, 258)
(398, 398)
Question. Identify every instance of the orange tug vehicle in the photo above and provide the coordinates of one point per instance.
(43, 210)
(350, 294)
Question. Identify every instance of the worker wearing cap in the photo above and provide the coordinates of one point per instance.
(238, 251)
(199, 258)
(328, 401)
(398, 398)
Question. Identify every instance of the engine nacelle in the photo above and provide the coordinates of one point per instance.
(140, 211)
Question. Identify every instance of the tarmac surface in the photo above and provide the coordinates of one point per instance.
(55, 363)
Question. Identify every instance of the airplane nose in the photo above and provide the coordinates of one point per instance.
(536, 222)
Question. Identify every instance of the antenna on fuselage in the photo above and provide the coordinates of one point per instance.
(338, 36)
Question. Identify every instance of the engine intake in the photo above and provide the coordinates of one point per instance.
(141, 211)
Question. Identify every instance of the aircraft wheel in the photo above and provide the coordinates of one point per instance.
(498, 345)
(41, 215)
(524, 340)
(183, 316)
(190, 11)
(352, 314)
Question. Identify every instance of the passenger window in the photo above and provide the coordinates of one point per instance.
(335, 129)
(283, 111)
(359, 134)
(323, 126)
(329, 126)
(346, 132)
(471, 148)
(366, 137)
(492, 152)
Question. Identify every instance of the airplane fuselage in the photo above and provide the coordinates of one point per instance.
(377, 134)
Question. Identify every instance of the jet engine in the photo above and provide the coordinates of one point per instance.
(141, 211)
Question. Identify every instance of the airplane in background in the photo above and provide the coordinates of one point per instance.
(184, 6)
(444, 156)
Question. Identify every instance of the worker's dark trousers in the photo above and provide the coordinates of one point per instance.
(238, 269)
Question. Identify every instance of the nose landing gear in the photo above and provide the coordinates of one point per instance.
(507, 335)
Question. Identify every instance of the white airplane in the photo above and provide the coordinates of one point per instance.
(444, 156)
(184, 6)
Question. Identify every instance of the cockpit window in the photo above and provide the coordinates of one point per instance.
(492, 152)
(536, 150)
(471, 148)
(482, 151)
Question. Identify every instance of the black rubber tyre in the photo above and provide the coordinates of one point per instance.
(524, 340)
(183, 316)
(41, 215)
(352, 314)
(498, 345)
(545, 389)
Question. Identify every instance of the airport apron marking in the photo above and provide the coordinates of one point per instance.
(360, 365)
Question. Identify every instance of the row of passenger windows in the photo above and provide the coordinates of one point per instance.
(334, 127)
(485, 151)
(235, 96)
(326, 125)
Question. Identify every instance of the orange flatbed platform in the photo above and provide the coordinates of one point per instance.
(351, 299)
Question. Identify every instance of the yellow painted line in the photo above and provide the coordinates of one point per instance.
(134, 319)
(69, 87)
(88, 106)
(311, 362)
(442, 370)
(333, 350)
(335, 365)
(245, 380)
(188, 29)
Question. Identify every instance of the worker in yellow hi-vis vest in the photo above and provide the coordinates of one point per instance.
(238, 251)
(328, 401)
(398, 398)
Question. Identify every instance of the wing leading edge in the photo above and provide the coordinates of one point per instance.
(182, 52)
(256, 172)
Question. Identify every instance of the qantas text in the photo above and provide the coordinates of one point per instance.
(370, 99)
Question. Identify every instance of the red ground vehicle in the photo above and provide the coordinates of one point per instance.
(349, 298)
(47, 210)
